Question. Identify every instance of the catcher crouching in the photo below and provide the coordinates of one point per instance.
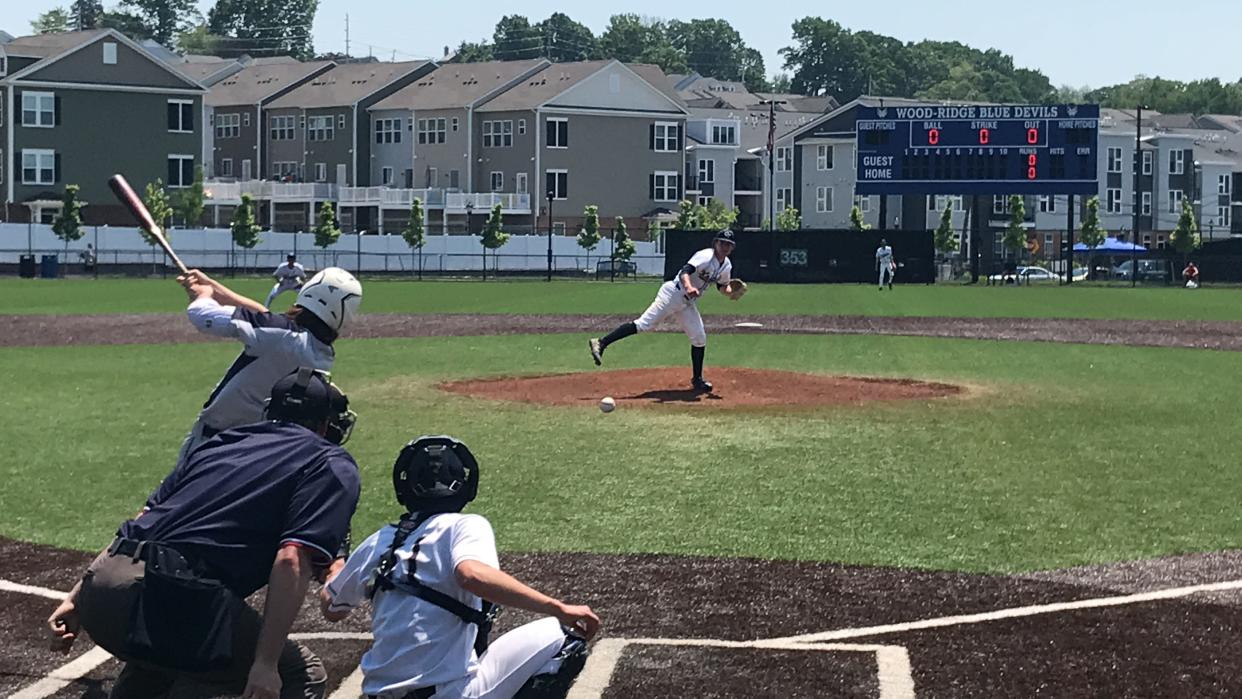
(679, 297)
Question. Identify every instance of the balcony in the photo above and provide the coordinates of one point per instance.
(456, 202)
(217, 192)
(389, 198)
(301, 191)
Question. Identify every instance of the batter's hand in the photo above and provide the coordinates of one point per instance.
(580, 618)
(65, 626)
(263, 682)
(196, 285)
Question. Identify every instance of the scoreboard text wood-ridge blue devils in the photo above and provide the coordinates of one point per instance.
(978, 149)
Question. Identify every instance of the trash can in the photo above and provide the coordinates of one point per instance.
(49, 266)
(26, 266)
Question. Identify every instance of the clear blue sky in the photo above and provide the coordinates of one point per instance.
(1077, 42)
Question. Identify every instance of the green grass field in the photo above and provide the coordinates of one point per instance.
(387, 296)
(1066, 454)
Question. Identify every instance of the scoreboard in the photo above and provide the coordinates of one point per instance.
(978, 149)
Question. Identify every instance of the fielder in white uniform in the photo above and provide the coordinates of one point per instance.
(273, 345)
(886, 264)
(289, 277)
(431, 578)
(679, 297)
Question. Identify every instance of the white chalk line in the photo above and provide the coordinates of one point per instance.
(64, 675)
(6, 586)
(1015, 612)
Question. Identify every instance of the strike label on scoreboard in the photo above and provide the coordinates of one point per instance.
(978, 149)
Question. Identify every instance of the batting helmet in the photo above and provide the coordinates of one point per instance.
(333, 295)
(435, 474)
(308, 397)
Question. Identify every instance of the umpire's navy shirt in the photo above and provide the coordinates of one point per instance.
(245, 493)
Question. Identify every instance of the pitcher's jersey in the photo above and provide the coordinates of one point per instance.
(290, 275)
(273, 347)
(884, 254)
(708, 270)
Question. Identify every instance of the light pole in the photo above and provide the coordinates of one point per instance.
(551, 196)
(469, 213)
(1138, 196)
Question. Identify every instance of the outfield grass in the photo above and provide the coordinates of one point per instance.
(87, 296)
(1066, 454)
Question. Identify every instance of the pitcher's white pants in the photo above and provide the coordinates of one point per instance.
(510, 661)
(672, 301)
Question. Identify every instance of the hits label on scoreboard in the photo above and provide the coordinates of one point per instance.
(978, 149)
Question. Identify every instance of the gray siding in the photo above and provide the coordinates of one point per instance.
(243, 147)
(334, 152)
(282, 151)
(443, 157)
(509, 160)
(131, 68)
(398, 156)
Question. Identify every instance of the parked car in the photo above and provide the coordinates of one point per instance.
(1027, 275)
(1148, 270)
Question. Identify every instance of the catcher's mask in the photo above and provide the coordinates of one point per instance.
(435, 474)
(308, 397)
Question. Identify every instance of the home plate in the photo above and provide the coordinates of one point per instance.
(748, 325)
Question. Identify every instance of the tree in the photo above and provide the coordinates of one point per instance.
(164, 19)
(944, 238)
(789, 220)
(630, 38)
(567, 40)
(514, 39)
(188, 202)
(68, 223)
(415, 232)
(200, 40)
(265, 27)
(1091, 233)
(588, 236)
(243, 228)
(1185, 238)
(715, 216)
(126, 23)
(856, 220)
(471, 52)
(156, 201)
(622, 246)
(327, 232)
(1014, 239)
(688, 216)
(713, 47)
(655, 231)
(86, 14)
(493, 235)
(53, 21)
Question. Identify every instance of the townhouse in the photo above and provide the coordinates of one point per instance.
(79, 107)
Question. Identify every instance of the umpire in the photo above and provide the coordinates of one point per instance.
(262, 504)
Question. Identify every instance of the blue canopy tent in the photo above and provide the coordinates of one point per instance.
(1111, 246)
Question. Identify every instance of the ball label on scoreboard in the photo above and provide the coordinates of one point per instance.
(978, 149)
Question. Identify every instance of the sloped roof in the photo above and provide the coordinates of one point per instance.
(754, 123)
(45, 45)
(456, 84)
(346, 84)
(258, 82)
(544, 85)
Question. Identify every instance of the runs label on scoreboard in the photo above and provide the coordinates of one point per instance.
(995, 149)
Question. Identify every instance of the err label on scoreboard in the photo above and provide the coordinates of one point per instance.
(978, 149)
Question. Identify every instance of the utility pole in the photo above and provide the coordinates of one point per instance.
(347, 35)
(772, 160)
(1138, 195)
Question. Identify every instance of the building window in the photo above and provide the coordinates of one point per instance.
(1177, 162)
(664, 186)
(1222, 215)
(521, 126)
(455, 124)
(388, 130)
(498, 134)
(665, 137)
(1148, 162)
(1147, 203)
(557, 184)
(319, 128)
(38, 166)
(703, 201)
(724, 135)
(245, 118)
(340, 122)
(823, 157)
(286, 170)
(226, 167)
(520, 183)
(431, 130)
(498, 181)
(823, 199)
(784, 198)
(180, 171)
(321, 172)
(386, 176)
(181, 116)
(1114, 160)
(1175, 201)
(39, 109)
(1224, 184)
(558, 133)
(784, 159)
(109, 53)
(1047, 204)
(1112, 201)
(863, 203)
(228, 125)
(707, 171)
(281, 128)
(1000, 204)
(558, 227)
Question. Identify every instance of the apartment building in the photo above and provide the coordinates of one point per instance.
(79, 107)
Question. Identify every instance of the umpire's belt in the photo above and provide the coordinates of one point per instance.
(424, 693)
(130, 548)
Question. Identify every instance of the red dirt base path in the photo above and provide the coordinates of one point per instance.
(733, 387)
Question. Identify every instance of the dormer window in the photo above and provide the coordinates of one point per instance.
(109, 53)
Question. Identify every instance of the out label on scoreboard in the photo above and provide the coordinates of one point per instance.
(978, 149)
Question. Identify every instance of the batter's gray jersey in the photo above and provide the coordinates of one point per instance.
(274, 347)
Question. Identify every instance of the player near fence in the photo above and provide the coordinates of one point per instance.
(289, 277)
(679, 297)
(263, 505)
(433, 579)
(273, 344)
(885, 264)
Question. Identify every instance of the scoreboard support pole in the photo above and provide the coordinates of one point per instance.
(883, 212)
(1069, 246)
(976, 235)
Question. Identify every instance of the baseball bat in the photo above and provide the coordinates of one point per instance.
(126, 194)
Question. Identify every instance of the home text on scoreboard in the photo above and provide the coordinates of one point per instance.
(978, 149)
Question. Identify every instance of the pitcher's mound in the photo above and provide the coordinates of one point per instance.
(733, 388)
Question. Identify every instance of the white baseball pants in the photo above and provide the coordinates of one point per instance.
(886, 274)
(277, 289)
(672, 301)
(510, 661)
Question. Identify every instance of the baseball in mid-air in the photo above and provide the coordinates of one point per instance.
(607, 404)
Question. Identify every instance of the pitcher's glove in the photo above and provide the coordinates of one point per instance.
(735, 289)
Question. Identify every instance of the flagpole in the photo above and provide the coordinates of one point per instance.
(772, 161)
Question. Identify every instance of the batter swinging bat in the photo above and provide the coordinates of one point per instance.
(126, 194)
